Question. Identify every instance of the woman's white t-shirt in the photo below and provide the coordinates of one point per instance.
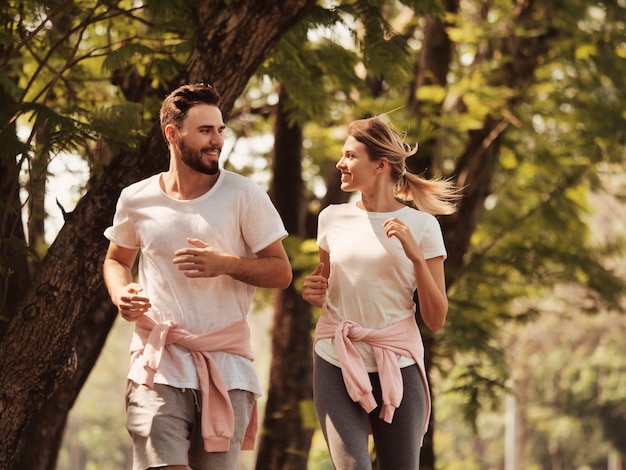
(371, 281)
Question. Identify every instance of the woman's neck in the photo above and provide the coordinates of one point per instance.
(379, 203)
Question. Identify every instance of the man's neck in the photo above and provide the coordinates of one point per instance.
(188, 185)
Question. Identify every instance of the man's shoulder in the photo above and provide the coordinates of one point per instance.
(235, 179)
(141, 185)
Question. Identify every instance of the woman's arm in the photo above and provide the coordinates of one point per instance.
(429, 276)
(431, 292)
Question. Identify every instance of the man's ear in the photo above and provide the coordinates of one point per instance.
(170, 132)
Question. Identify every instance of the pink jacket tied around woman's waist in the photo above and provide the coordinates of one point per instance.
(401, 338)
(218, 427)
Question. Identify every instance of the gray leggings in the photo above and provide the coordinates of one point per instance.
(346, 425)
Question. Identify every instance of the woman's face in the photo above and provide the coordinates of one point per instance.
(357, 169)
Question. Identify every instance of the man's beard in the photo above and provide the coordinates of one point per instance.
(193, 158)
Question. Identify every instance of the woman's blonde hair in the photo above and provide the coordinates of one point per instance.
(436, 197)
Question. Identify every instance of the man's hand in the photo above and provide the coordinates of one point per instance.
(130, 304)
(201, 261)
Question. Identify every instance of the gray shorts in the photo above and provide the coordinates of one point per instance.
(164, 423)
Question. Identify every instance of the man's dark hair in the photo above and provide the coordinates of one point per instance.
(177, 103)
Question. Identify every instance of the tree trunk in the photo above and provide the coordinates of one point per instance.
(432, 69)
(475, 168)
(37, 179)
(287, 435)
(47, 427)
(38, 354)
(14, 273)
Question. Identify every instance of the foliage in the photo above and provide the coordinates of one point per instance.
(68, 56)
(535, 234)
(566, 370)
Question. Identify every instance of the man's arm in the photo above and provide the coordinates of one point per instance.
(271, 267)
(118, 278)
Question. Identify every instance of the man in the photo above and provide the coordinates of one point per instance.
(206, 238)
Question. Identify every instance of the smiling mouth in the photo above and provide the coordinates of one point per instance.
(211, 152)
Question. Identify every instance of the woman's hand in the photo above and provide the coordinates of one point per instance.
(394, 227)
(315, 286)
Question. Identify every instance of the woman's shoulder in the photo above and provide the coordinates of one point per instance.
(410, 214)
(339, 208)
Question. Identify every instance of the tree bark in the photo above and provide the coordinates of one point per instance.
(48, 426)
(39, 352)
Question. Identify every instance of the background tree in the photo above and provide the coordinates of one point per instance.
(289, 416)
(509, 98)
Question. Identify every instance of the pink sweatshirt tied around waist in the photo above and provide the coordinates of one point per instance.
(148, 342)
(402, 338)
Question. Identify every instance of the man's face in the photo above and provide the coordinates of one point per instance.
(200, 139)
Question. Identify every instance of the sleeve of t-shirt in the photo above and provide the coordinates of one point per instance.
(322, 221)
(122, 232)
(432, 243)
(262, 225)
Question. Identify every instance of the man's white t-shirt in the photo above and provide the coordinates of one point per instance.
(371, 279)
(234, 216)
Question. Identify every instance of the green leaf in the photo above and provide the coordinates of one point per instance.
(125, 55)
(585, 51)
(120, 124)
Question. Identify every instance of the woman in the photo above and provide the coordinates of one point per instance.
(374, 253)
